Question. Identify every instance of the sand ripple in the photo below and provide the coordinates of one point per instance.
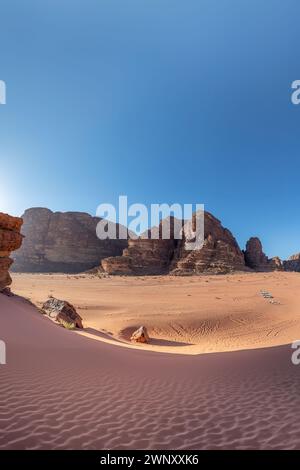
(63, 391)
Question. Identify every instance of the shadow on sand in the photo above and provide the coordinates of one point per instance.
(126, 334)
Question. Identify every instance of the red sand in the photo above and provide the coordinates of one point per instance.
(60, 390)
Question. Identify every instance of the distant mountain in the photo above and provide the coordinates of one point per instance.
(220, 252)
(293, 263)
(62, 242)
(67, 242)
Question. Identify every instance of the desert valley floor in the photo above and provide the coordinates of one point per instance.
(186, 315)
(93, 390)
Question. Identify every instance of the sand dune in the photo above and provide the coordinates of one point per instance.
(189, 315)
(60, 390)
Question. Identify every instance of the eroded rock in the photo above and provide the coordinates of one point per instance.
(293, 263)
(220, 252)
(256, 259)
(62, 311)
(62, 242)
(140, 335)
(10, 240)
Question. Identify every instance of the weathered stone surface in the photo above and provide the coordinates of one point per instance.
(10, 239)
(257, 260)
(140, 335)
(62, 242)
(276, 264)
(62, 311)
(219, 254)
(145, 256)
(142, 257)
(293, 263)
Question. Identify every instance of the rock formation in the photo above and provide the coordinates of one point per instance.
(62, 311)
(10, 239)
(140, 335)
(257, 260)
(145, 256)
(62, 242)
(219, 254)
(293, 263)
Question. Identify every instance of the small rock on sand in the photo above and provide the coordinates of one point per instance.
(140, 335)
(62, 311)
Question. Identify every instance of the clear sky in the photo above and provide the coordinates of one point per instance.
(162, 100)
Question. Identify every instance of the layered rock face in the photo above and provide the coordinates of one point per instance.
(10, 239)
(62, 311)
(145, 255)
(293, 263)
(257, 260)
(141, 257)
(62, 242)
(219, 254)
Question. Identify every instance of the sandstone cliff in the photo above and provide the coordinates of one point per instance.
(257, 260)
(219, 254)
(293, 263)
(145, 256)
(62, 242)
(10, 239)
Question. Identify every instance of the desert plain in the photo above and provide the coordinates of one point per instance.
(217, 373)
(184, 315)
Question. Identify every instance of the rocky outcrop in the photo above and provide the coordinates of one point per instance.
(62, 242)
(145, 256)
(220, 252)
(293, 263)
(257, 260)
(142, 257)
(140, 335)
(63, 312)
(10, 239)
(276, 264)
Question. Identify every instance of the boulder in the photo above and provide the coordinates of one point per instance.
(62, 242)
(140, 335)
(62, 311)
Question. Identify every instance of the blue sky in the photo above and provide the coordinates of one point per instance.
(164, 101)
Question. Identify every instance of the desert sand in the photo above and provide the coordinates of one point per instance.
(64, 391)
(185, 315)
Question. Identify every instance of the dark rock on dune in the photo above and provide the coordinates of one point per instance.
(10, 239)
(62, 311)
(62, 242)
